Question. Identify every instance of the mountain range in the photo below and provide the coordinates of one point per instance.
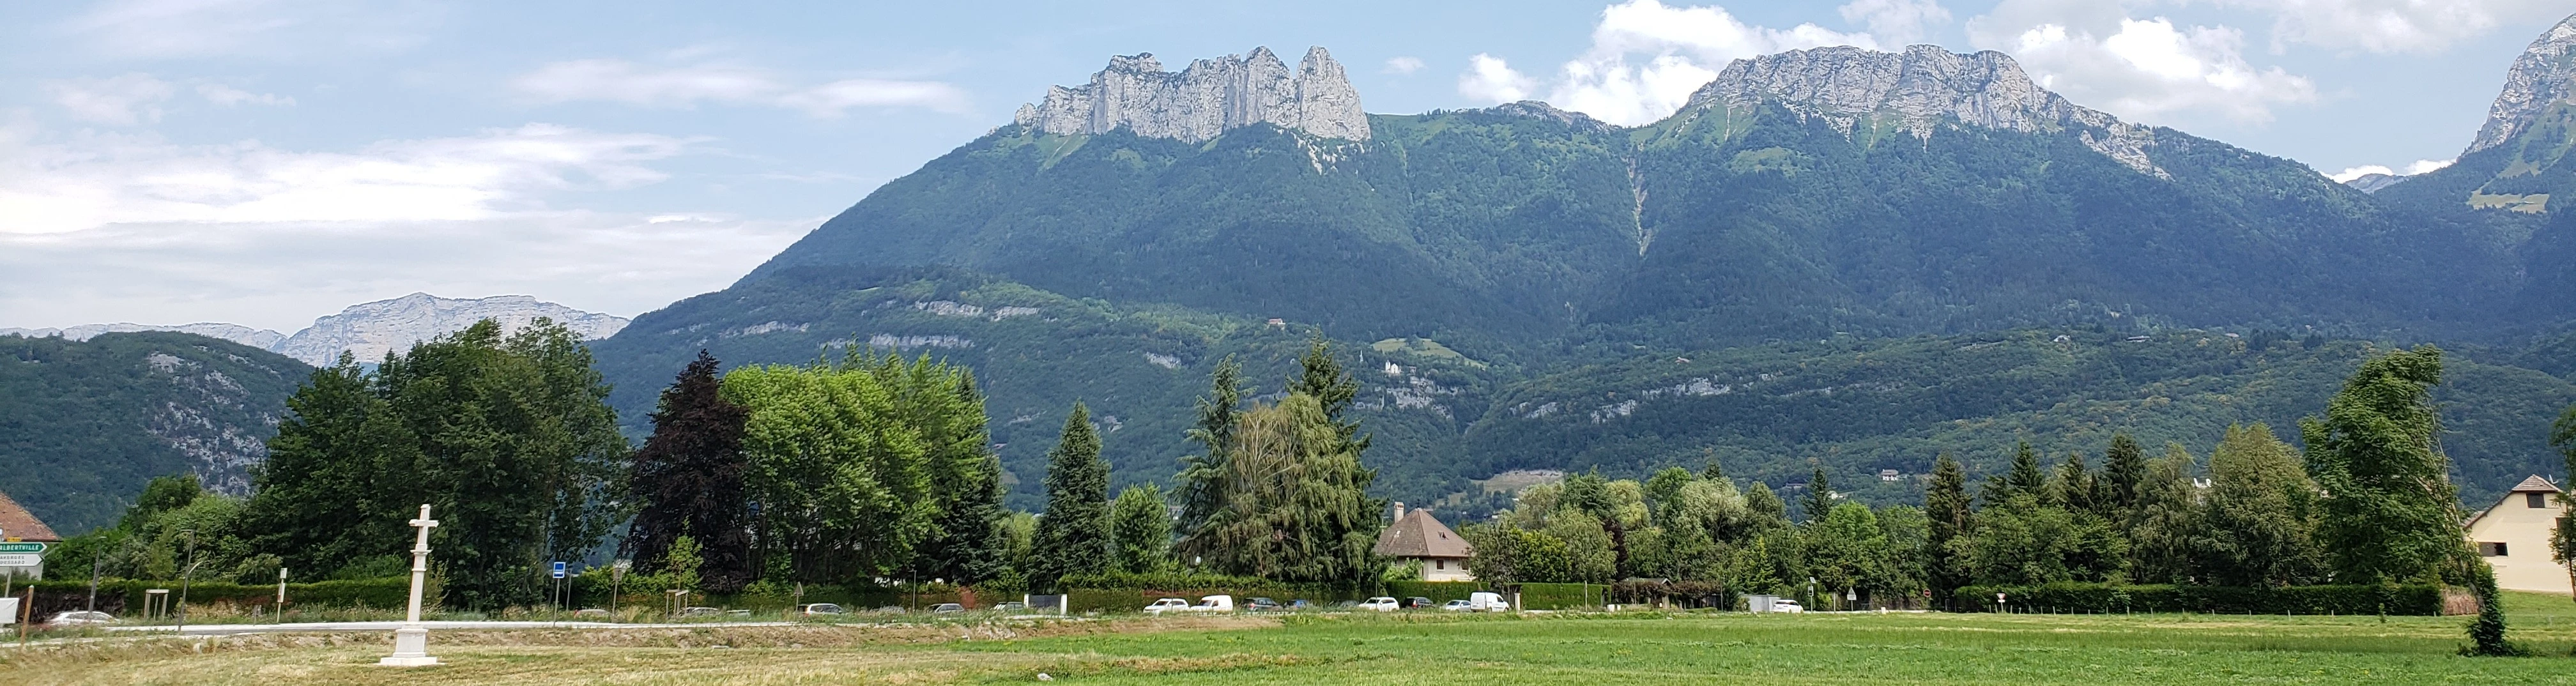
(369, 330)
(1835, 257)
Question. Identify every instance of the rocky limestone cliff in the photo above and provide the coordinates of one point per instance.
(2544, 76)
(1206, 99)
(372, 329)
(257, 338)
(2372, 183)
(1917, 90)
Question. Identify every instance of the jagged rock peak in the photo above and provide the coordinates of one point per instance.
(1921, 87)
(2544, 76)
(370, 330)
(1209, 98)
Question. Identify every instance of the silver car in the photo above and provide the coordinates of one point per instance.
(81, 618)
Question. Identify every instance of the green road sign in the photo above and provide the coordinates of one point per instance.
(22, 547)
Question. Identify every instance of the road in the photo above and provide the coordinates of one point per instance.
(232, 629)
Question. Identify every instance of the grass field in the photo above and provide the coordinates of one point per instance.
(1592, 650)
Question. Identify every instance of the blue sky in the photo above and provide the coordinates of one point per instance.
(268, 161)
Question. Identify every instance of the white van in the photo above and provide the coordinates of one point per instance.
(1214, 603)
(1481, 601)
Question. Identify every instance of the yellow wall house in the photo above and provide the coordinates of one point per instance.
(1416, 536)
(2513, 537)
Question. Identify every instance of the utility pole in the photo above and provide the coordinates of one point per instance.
(94, 562)
(184, 575)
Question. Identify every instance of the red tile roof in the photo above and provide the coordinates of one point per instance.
(16, 522)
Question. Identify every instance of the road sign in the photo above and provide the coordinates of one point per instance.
(559, 570)
(22, 547)
(20, 560)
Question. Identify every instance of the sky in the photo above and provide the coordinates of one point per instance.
(265, 162)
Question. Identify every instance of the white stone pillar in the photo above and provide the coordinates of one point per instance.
(411, 642)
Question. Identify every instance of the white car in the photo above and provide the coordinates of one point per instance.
(81, 618)
(1790, 606)
(1459, 606)
(1167, 605)
(1380, 603)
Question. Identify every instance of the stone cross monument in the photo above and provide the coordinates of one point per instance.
(411, 642)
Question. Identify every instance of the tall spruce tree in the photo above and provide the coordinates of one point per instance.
(688, 481)
(1200, 487)
(1320, 376)
(2072, 486)
(2124, 466)
(1947, 504)
(2024, 479)
(1819, 498)
(2391, 513)
(1073, 535)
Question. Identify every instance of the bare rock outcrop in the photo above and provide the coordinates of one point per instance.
(1916, 91)
(2542, 78)
(1206, 99)
(370, 330)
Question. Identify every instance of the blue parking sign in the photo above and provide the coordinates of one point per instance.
(559, 570)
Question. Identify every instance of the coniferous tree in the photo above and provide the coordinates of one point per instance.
(2124, 466)
(2025, 478)
(1140, 530)
(1320, 375)
(687, 480)
(2072, 486)
(1819, 498)
(2390, 510)
(1296, 501)
(1947, 504)
(1073, 533)
(1200, 487)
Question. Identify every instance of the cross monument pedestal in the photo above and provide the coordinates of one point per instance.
(411, 642)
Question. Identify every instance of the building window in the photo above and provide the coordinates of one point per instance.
(1439, 564)
(2491, 549)
(2535, 500)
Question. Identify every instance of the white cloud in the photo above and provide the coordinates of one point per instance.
(1490, 79)
(612, 80)
(229, 96)
(2418, 167)
(1897, 22)
(94, 180)
(161, 29)
(2142, 69)
(126, 99)
(2389, 26)
(1646, 59)
(1403, 65)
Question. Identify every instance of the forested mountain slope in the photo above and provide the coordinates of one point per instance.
(84, 424)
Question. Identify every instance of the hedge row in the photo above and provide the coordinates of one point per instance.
(125, 597)
(1563, 596)
(2073, 598)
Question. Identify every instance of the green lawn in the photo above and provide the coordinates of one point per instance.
(1481, 650)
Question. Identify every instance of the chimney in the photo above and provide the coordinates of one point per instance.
(1399, 510)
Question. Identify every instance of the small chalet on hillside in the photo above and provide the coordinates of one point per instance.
(1416, 536)
(2513, 537)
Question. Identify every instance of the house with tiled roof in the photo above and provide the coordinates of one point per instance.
(2513, 537)
(19, 525)
(1416, 536)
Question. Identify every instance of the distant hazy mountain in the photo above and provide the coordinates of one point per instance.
(370, 330)
(2372, 183)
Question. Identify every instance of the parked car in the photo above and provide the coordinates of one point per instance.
(1214, 603)
(946, 608)
(700, 612)
(1262, 605)
(1167, 605)
(820, 609)
(591, 614)
(1380, 603)
(1418, 603)
(1300, 604)
(1482, 601)
(1460, 605)
(81, 618)
(1012, 606)
(1786, 606)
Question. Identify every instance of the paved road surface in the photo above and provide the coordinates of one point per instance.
(231, 629)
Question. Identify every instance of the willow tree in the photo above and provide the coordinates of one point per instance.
(1295, 501)
(2390, 510)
